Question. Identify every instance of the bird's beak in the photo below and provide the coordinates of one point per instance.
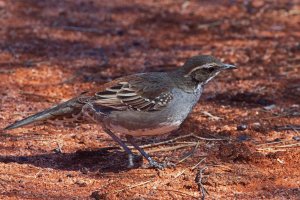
(228, 66)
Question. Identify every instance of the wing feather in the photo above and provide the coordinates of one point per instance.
(124, 96)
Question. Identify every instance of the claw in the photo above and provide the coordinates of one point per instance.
(156, 165)
(161, 166)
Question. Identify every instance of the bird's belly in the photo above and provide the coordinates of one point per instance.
(146, 131)
(142, 123)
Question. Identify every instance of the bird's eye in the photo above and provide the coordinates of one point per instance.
(210, 70)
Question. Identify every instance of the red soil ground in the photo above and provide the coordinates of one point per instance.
(53, 50)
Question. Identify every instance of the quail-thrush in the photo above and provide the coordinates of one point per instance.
(144, 104)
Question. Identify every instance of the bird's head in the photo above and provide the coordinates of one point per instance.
(204, 68)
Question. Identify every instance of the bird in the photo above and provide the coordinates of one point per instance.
(142, 104)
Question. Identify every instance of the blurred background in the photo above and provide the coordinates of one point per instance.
(53, 50)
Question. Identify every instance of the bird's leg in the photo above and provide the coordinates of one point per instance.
(91, 112)
(152, 162)
(123, 145)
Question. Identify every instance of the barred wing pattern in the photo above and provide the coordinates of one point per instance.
(123, 96)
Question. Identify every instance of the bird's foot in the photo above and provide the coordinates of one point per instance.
(161, 166)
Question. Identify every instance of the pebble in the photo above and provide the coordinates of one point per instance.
(57, 150)
(270, 107)
(297, 138)
(277, 140)
(84, 170)
(81, 183)
(241, 127)
(257, 127)
(97, 196)
(256, 124)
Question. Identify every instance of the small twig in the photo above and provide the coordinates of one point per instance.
(186, 142)
(208, 139)
(288, 127)
(269, 150)
(165, 142)
(190, 154)
(198, 180)
(171, 148)
(58, 149)
(133, 186)
(195, 166)
(23, 113)
(211, 116)
(208, 25)
(178, 138)
(268, 143)
(282, 146)
(175, 177)
(38, 173)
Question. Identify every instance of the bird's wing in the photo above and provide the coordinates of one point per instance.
(141, 93)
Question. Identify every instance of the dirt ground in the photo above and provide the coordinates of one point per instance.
(246, 139)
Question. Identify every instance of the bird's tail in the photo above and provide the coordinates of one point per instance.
(66, 110)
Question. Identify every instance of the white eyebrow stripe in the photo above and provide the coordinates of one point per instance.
(209, 65)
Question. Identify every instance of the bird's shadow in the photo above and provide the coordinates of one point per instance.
(108, 159)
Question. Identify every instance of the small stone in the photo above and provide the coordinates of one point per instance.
(81, 183)
(39, 175)
(70, 175)
(270, 107)
(256, 126)
(84, 170)
(297, 138)
(241, 127)
(57, 150)
(97, 196)
(277, 140)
